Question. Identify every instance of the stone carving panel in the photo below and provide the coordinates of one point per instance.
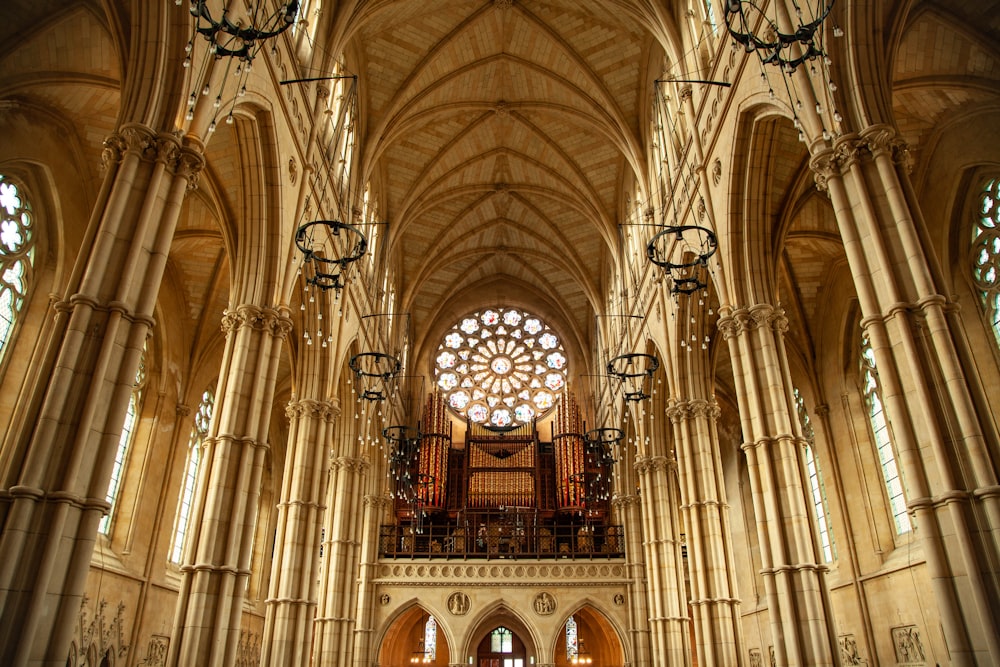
(906, 642)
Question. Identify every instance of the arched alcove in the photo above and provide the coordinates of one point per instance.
(597, 641)
(406, 642)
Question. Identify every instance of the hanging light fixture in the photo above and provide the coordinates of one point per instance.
(773, 38)
(582, 656)
(635, 372)
(374, 373)
(239, 34)
(420, 655)
(236, 31)
(327, 252)
(694, 244)
(783, 42)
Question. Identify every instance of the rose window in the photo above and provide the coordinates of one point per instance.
(500, 368)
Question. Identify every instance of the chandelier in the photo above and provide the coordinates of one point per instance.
(327, 252)
(374, 373)
(239, 34)
(773, 38)
(694, 243)
(635, 372)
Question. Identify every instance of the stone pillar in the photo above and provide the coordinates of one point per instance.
(714, 601)
(335, 620)
(216, 561)
(628, 509)
(794, 578)
(291, 606)
(661, 527)
(375, 508)
(928, 381)
(57, 462)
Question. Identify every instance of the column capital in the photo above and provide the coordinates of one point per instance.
(316, 409)
(260, 319)
(883, 139)
(349, 463)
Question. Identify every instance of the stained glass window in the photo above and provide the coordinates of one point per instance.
(501, 641)
(880, 430)
(501, 367)
(986, 251)
(572, 648)
(128, 429)
(17, 255)
(817, 492)
(430, 640)
(198, 434)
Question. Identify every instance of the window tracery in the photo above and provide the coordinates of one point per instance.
(986, 252)
(17, 256)
(501, 367)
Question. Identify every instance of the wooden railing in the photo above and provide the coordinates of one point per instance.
(501, 539)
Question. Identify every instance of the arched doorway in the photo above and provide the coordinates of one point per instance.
(414, 639)
(501, 647)
(587, 639)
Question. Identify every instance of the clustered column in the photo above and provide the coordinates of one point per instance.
(52, 494)
(929, 384)
(798, 600)
(661, 527)
(714, 601)
(338, 591)
(291, 606)
(216, 562)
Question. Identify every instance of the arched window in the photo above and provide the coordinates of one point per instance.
(501, 641)
(17, 256)
(880, 431)
(430, 639)
(572, 647)
(201, 422)
(986, 251)
(817, 492)
(124, 441)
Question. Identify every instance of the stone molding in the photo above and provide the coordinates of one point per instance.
(850, 149)
(307, 407)
(269, 320)
(350, 464)
(696, 408)
(139, 140)
(511, 574)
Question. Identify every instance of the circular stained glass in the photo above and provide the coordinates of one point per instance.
(501, 367)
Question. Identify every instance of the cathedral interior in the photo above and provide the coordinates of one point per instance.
(500, 333)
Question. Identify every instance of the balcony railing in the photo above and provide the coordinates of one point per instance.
(501, 539)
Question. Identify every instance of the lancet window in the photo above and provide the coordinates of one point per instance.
(883, 442)
(17, 256)
(816, 490)
(124, 443)
(202, 419)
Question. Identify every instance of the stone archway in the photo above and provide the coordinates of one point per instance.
(599, 643)
(404, 642)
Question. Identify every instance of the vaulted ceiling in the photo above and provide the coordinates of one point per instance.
(505, 137)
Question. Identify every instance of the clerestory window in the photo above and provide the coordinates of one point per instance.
(202, 419)
(986, 251)
(17, 256)
(124, 443)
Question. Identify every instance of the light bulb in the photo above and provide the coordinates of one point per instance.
(205, 90)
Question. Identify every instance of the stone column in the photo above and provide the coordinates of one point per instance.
(714, 602)
(335, 620)
(291, 606)
(375, 509)
(794, 578)
(930, 386)
(216, 561)
(661, 527)
(628, 509)
(58, 460)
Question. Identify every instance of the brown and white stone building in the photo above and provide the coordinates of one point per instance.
(203, 462)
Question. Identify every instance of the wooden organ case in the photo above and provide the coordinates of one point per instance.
(503, 493)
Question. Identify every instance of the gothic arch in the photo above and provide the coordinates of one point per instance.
(404, 630)
(494, 615)
(602, 637)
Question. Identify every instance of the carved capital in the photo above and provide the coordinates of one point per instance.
(882, 139)
(187, 163)
(257, 318)
(824, 166)
(349, 464)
